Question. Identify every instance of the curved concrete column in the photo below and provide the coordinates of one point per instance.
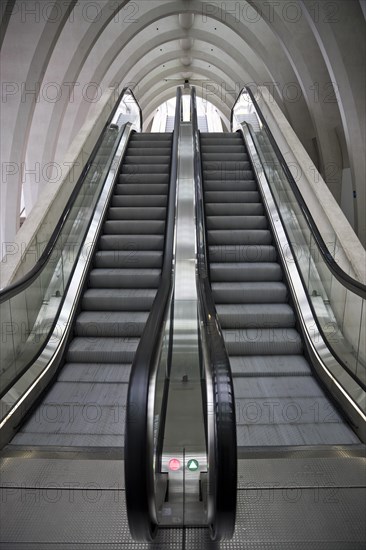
(345, 60)
(68, 58)
(23, 67)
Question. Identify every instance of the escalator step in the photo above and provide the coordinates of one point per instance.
(95, 372)
(236, 222)
(133, 227)
(262, 341)
(146, 189)
(111, 324)
(231, 185)
(255, 315)
(224, 175)
(141, 159)
(124, 278)
(128, 258)
(131, 201)
(145, 169)
(239, 237)
(225, 166)
(253, 271)
(135, 211)
(151, 138)
(242, 253)
(219, 156)
(288, 433)
(269, 365)
(141, 299)
(222, 197)
(131, 242)
(161, 151)
(144, 178)
(235, 208)
(249, 293)
(95, 350)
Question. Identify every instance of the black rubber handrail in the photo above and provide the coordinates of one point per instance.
(346, 280)
(12, 290)
(138, 466)
(223, 481)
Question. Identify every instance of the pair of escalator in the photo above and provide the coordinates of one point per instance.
(263, 382)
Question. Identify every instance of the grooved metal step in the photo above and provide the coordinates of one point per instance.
(116, 299)
(262, 341)
(236, 222)
(276, 394)
(231, 272)
(231, 185)
(135, 211)
(111, 324)
(242, 253)
(120, 242)
(128, 258)
(124, 278)
(133, 227)
(144, 178)
(133, 201)
(233, 208)
(256, 315)
(145, 189)
(239, 237)
(249, 293)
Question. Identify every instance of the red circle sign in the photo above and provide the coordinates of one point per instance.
(174, 464)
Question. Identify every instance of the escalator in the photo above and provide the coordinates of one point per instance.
(105, 396)
(114, 308)
(299, 399)
(64, 395)
(275, 389)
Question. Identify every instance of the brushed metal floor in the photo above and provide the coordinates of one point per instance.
(298, 499)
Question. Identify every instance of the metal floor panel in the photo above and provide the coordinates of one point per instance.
(298, 519)
(295, 434)
(95, 372)
(283, 503)
(69, 519)
(62, 473)
(302, 471)
(327, 519)
(30, 439)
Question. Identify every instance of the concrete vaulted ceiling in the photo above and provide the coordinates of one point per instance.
(67, 51)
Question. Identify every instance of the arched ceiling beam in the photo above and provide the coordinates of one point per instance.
(145, 49)
(224, 101)
(203, 64)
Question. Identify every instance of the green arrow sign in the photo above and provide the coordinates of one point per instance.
(192, 465)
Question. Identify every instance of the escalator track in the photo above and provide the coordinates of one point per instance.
(114, 308)
(279, 402)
